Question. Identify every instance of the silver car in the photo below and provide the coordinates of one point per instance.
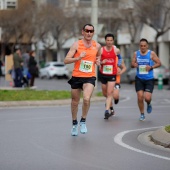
(3, 70)
(157, 71)
(54, 69)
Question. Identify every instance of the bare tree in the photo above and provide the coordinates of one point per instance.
(55, 27)
(156, 14)
(132, 23)
(17, 25)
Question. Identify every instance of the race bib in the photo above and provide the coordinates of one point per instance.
(142, 69)
(107, 69)
(86, 66)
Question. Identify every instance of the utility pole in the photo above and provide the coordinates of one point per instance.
(94, 17)
(94, 22)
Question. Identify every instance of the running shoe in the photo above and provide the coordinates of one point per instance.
(142, 118)
(116, 101)
(107, 115)
(74, 130)
(83, 128)
(149, 108)
(112, 112)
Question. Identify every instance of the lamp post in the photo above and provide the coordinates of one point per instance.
(94, 22)
(94, 17)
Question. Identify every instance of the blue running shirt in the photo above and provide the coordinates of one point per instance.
(142, 61)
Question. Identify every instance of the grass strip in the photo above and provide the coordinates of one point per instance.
(29, 95)
(167, 128)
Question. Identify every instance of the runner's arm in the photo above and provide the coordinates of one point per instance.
(157, 62)
(70, 55)
(134, 61)
(98, 56)
(123, 67)
(119, 56)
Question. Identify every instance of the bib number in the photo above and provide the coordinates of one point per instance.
(86, 66)
(107, 69)
(142, 69)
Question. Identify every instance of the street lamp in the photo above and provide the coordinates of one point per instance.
(94, 17)
(94, 22)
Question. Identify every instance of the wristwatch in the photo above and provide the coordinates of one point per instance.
(151, 68)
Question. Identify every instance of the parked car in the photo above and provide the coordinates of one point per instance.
(54, 69)
(3, 70)
(157, 71)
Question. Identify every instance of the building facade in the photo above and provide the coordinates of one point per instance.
(8, 4)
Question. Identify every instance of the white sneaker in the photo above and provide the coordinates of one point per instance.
(74, 130)
(83, 128)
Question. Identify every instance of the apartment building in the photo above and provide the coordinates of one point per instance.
(8, 4)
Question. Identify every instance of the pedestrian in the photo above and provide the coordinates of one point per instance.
(145, 61)
(32, 68)
(18, 63)
(108, 70)
(84, 54)
(25, 57)
(117, 86)
(1, 64)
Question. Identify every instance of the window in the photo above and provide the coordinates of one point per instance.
(11, 4)
(8, 4)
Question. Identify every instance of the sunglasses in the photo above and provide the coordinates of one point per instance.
(88, 31)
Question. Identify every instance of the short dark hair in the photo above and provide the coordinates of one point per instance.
(88, 25)
(144, 39)
(17, 48)
(31, 52)
(109, 35)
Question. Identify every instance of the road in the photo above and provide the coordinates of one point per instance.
(38, 138)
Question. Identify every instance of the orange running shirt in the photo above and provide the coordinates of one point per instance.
(86, 66)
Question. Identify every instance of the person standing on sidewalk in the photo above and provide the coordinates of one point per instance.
(84, 54)
(145, 61)
(108, 70)
(18, 63)
(25, 57)
(32, 67)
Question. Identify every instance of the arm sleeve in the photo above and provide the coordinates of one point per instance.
(119, 59)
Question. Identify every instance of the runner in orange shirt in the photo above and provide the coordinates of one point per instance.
(84, 54)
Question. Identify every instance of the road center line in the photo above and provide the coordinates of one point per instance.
(118, 140)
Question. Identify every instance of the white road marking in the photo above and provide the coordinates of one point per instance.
(167, 100)
(118, 140)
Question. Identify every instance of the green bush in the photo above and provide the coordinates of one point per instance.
(167, 128)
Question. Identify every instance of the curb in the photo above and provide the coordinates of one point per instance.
(45, 102)
(161, 137)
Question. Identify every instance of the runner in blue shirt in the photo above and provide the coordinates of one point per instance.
(145, 61)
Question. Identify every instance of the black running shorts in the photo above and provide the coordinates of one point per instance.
(77, 82)
(104, 79)
(145, 85)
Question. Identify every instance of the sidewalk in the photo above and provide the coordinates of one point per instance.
(44, 102)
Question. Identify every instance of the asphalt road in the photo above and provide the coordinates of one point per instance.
(38, 138)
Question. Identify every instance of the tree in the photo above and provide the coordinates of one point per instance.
(156, 14)
(55, 27)
(17, 25)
